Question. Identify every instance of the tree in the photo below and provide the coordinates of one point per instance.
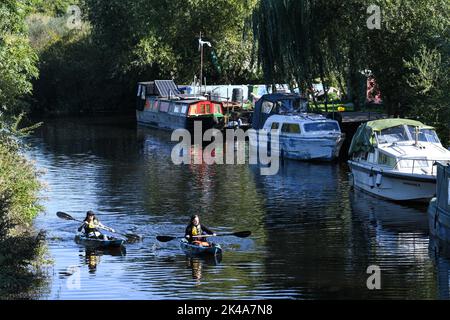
(17, 58)
(299, 41)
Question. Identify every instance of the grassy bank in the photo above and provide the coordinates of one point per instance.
(21, 247)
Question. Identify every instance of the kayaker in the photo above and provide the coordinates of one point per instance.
(195, 229)
(91, 225)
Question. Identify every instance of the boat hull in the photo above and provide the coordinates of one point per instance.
(98, 243)
(392, 186)
(304, 149)
(195, 250)
(167, 121)
(310, 149)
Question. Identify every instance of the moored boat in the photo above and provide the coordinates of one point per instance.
(192, 249)
(161, 105)
(395, 159)
(98, 243)
(302, 135)
(439, 208)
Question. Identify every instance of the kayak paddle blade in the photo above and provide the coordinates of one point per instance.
(165, 238)
(64, 216)
(242, 234)
(132, 237)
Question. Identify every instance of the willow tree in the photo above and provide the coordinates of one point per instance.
(303, 40)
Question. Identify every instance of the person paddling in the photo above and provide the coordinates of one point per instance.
(90, 226)
(195, 229)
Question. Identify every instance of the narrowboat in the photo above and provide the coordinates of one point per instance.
(161, 105)
(395, 159)
(439, 208)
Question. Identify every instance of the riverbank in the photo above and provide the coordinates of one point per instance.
(22, 248)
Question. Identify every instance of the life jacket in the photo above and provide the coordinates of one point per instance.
(196, 230)
(91, 226)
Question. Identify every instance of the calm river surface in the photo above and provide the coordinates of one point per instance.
(313, 236)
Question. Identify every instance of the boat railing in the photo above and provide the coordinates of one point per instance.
(433, 163)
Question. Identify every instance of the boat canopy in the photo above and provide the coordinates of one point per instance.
(443, 186)
(364, 139)
(277, 103)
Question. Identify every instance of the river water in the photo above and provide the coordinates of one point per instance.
(313, 237)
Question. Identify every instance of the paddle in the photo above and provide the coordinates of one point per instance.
(241, 234)
(129, 236)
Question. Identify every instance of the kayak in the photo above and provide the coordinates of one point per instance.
(192, 249)
(99, 243)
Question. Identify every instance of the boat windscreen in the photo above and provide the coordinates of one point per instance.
(321, 126)
(425, 135)
(393, 134)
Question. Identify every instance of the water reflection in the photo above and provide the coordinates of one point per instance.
(439, 252)
(397, 241)
(312, 236)
(197, 264)
(92, 257)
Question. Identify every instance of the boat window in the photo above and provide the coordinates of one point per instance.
(217, 108)
(414, 163)
(386, 160)
(361, 156)
(183, 108)
(425, 135)
(148, 104)
(290, 128)
(176, 108)
(448, 198)
(394, 134)
(267, 107)
(275, 126)
(164, 106)
(321, 126)
(193, 109)
(155, 105)
(208, 108)
(201, 109)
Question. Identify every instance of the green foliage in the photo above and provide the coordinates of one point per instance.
(19, 184)
(53, 7)
(19, 204)
(124, 41)
(428, 80)
(17, 58)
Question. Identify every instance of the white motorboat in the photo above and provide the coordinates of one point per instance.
(395, 159)
(303, 136)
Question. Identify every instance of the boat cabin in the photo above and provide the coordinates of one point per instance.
(277, 103)
(302, 124)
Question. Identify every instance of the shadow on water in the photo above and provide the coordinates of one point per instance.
(439, 252)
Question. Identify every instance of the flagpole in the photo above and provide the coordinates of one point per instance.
(201, 63)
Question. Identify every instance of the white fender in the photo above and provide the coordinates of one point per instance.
(371, 180)
(378, 180)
